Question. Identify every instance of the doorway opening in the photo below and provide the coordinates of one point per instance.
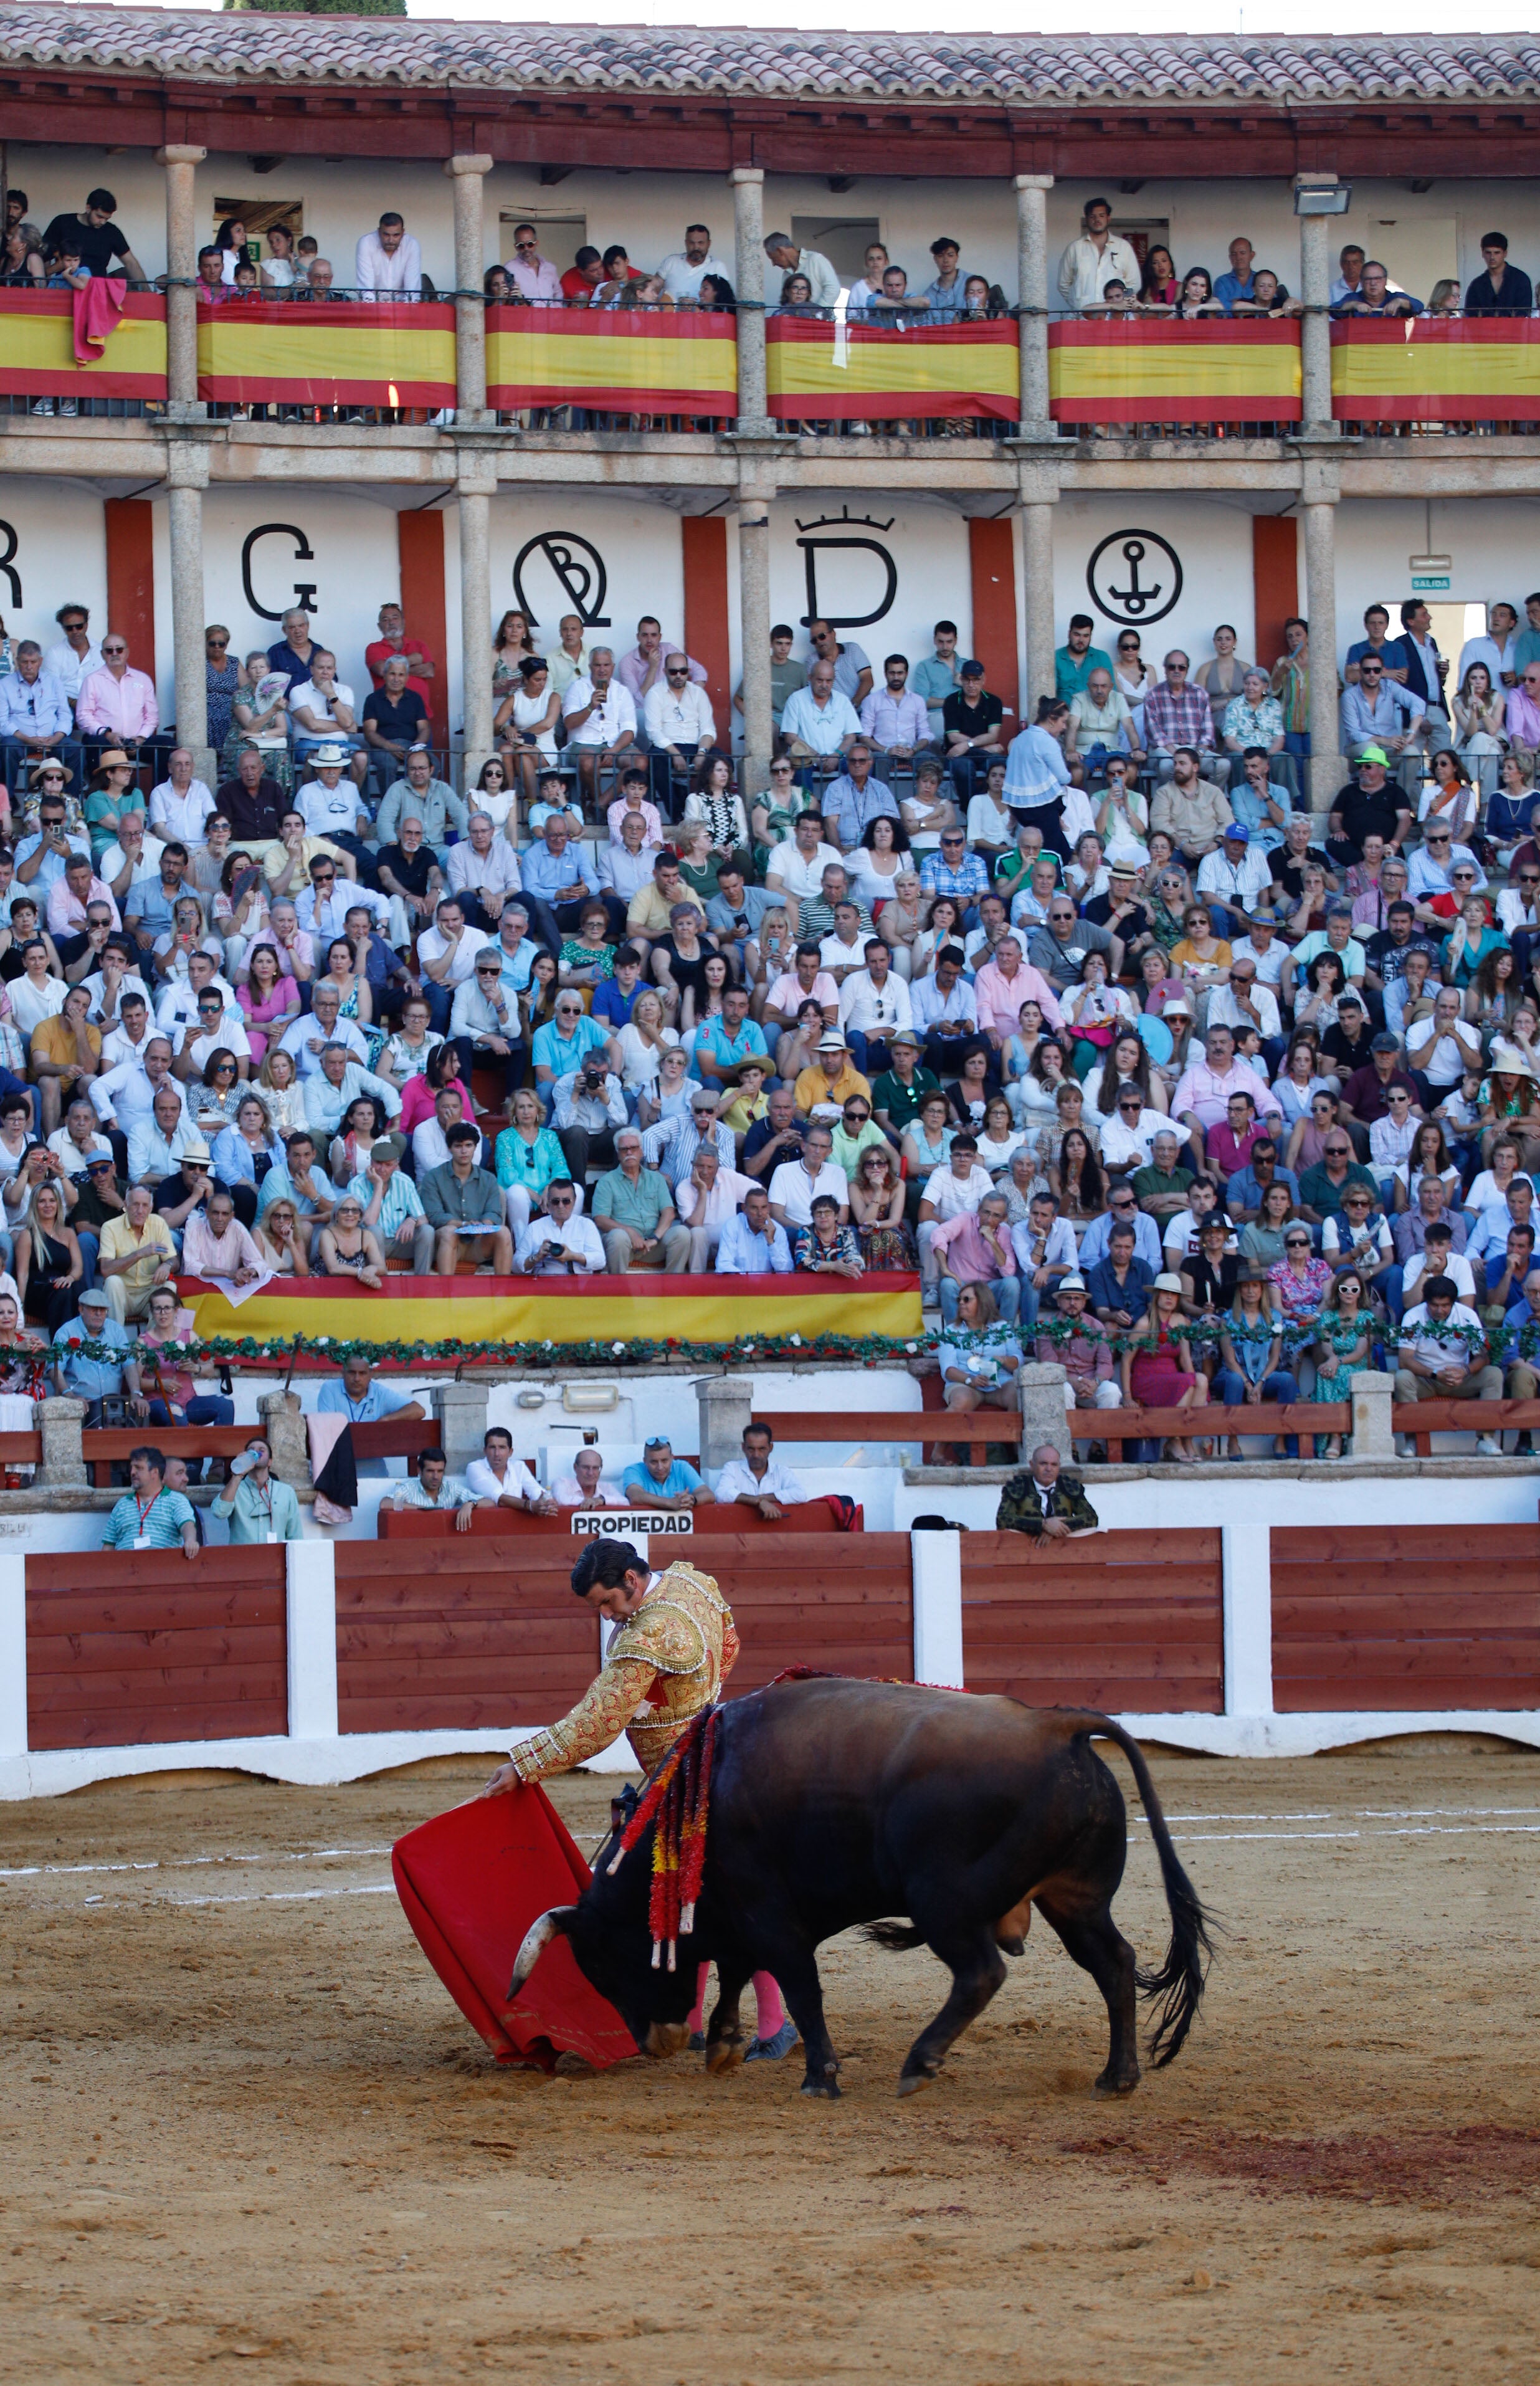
(843, 240)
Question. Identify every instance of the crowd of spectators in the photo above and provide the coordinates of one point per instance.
(1087, 1022)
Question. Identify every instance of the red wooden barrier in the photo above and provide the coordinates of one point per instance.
(1391, 1617)
(1422, 1419)
(505, 1524)
(126, 1647)
(477, 1633)
(1130, 1622)
(488, 1633)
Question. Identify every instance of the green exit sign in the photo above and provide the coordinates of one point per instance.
(1428, 584)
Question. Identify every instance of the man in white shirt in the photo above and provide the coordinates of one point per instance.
(306, 1038)
(181, 805)
(1438, 1256)
(683, 273)
(875, 1004)
(818, 723)
(77, 654)
(759, 1479)
(159, 1142)
(497, 1480)
(679, 725)
(534, 276)
(125, 1094)
(600, 717)
(796, 1182)
(1496, 649)
(178, 1002)
(329, 808)
(1243, 1002)
(584, 1487)
(706, 1199)
(388, 263)
(1442, 1356)
(796, 868)
(786, 258)
(1097, 257)
(562, 1242)
(752, 1242)
(483, 868)
(1237, 871)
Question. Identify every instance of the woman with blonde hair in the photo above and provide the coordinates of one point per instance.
(49, 1266)
(282, 1093)
(877, 1210)
(280, 1240)
(349, 1248)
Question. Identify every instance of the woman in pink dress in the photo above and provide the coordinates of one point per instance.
(1158, 1369)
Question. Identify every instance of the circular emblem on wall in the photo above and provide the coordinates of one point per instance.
(1134, 578)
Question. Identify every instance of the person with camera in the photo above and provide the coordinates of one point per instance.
(561, 1243)
(253, 1503)
(589, 1105)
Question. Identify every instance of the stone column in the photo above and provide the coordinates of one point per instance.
(1317, 507)
(748, 224)
(477, 487)
(61, 1422)
(461, 1411)
(754, 602)
(186, 479)
(180, 161)
(466, 172)
(288, 1442)
(726, 1405)
(1044, 1415)
(1032, 261)
(1315, 330)
(1373, 1433)
(1039, 496)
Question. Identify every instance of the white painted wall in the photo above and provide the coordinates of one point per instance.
(1152, 1503)
(639, 545)
(1213, 544)
(1492, 543)
(61, 553)
(928, 547)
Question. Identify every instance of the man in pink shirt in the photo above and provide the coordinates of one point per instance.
(1003, 986)
(116, 706)
(975, 1247)
(1202, 1096)
(642, 668)
(1521, 713)
(534, 276)
(69, 896)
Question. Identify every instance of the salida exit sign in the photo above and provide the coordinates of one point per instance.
(1431, 574)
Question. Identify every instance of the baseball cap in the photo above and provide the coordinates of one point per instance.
(1385, 1043)
(970, 671)
(1235, 831)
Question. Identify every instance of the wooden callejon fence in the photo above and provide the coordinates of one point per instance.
(324, 1661)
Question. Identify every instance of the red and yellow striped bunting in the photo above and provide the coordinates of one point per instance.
(37, 348)
(335, 353)
(1428, 370)
(865, 372)
(1130, 370)
(625, 360)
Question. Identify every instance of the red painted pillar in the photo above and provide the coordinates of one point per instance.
(704, 545)
(420, 539)
(129, 523)
(1276, 580)
(991, 562)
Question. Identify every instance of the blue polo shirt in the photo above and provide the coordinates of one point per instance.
(681, 1477)
(560, 1053)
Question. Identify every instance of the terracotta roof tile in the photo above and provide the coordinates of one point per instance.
(1021, 70)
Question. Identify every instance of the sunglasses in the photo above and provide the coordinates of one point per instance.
(115, 650)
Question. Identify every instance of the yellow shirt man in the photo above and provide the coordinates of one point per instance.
(153, 1246)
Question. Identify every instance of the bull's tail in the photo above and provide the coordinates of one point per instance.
(1177, 1987)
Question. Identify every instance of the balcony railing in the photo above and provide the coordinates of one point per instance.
(636, 369)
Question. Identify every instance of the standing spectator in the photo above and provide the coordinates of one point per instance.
(388, 262)
(1498, 289)
(35, 721)
(116, 706)
(1096, 257)
(682, 273)
(92, 235)
(823, 283)
(534, 276)
(77, 655)
(938, 676)
(257, 1507)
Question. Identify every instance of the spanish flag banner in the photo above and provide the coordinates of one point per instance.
(627, 361)
(1423, 369)
(335, 353)
(37, 348)
(866, 372)
(1210, 370)
(621, 1309)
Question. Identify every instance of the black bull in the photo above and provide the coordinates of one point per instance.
(836, 1802)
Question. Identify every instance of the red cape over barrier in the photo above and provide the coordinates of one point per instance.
(471, 1882)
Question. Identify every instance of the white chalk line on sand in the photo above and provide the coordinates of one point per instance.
(184, 1864)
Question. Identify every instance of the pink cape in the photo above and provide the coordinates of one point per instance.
(98, 307)
(471, 1882)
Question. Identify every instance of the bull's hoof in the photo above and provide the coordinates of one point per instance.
(911, 2082)
(724, 2055)
(1106, 2087)
(821, 2083)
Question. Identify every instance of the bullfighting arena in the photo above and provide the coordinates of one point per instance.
(247, 2133)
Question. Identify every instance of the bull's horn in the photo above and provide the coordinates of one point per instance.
(537, 1937)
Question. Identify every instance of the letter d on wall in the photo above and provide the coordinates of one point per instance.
(302, 593)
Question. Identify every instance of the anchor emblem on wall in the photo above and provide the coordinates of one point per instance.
(1134, 578)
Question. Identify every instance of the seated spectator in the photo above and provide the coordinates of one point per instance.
(148, 1517)
(759, 1480)
(463, 1203)
(497, 1480)
(753, 1243)
(582, 1488)
(664, 1481)
(634, 1210)
(976, 1247)
(980, 1356)
(347, 1247)
(707, 1201)
(137, 1251)
(1441, 1354)
(560, 1242)
(167, 1375)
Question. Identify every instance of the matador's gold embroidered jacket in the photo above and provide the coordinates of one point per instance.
(666, 1662)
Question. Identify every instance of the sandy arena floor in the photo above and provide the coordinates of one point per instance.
(243, 2123)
